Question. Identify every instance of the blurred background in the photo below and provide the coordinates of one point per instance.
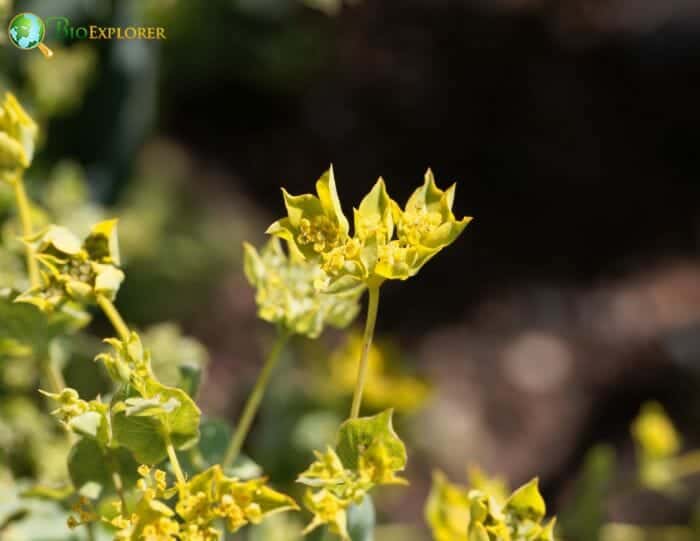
(529, 346)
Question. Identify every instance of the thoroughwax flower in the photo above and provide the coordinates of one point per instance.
(18, 134)
(459, 513)
(75, 271)
(367, 453)
(286, 294)
(387, 243)
(200, 502)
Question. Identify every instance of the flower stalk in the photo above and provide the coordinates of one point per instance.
(370, 323)
(254, 400)
(114, 317)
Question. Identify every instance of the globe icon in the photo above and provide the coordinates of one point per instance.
(26, 30)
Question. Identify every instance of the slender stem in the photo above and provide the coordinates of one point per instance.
(117, 481)
(253, 402)
(90, 531)
(366, 345)
(114, 317)
(25, 214)
(53, 375)
(174, 462)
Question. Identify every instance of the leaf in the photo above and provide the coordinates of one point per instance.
(361, 520)
(145, 436)
(370, 444)
(527, 501)
(23, 329)
(89, 463)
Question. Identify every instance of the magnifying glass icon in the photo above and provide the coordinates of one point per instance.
(27, 31)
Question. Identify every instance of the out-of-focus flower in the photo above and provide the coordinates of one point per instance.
(286, 294)
(658, 444)
(18, 134)
(386, 386)
(74, 270)
(458, 513)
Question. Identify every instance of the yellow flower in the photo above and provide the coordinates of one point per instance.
(74, 270)
(18, 133)
(388, 243)
(315, 224)
(328, 509)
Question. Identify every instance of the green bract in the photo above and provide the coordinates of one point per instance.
(147, 415)
(18, 133)
(286, 292)
(368, 452)
(388, 242)
(456, 513)
(73, 270)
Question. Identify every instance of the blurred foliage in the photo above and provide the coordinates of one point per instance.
(178, 243)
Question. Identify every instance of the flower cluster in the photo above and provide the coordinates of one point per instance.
(200, 502)
(75, 271)
(286, 292)
(457, 513)
(388, 242)
(367, 453)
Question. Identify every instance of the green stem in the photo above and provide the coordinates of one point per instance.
(114, 317)
(174, 462)
(90, 531)
(25, 214)
(52, 374)
(117, 481)
(366, 345)
(253, 402)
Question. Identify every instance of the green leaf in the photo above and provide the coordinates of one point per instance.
(23, 329)
(361, 520)
(527, 501)
(370, 444)
(145, 436)
(88, 463)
